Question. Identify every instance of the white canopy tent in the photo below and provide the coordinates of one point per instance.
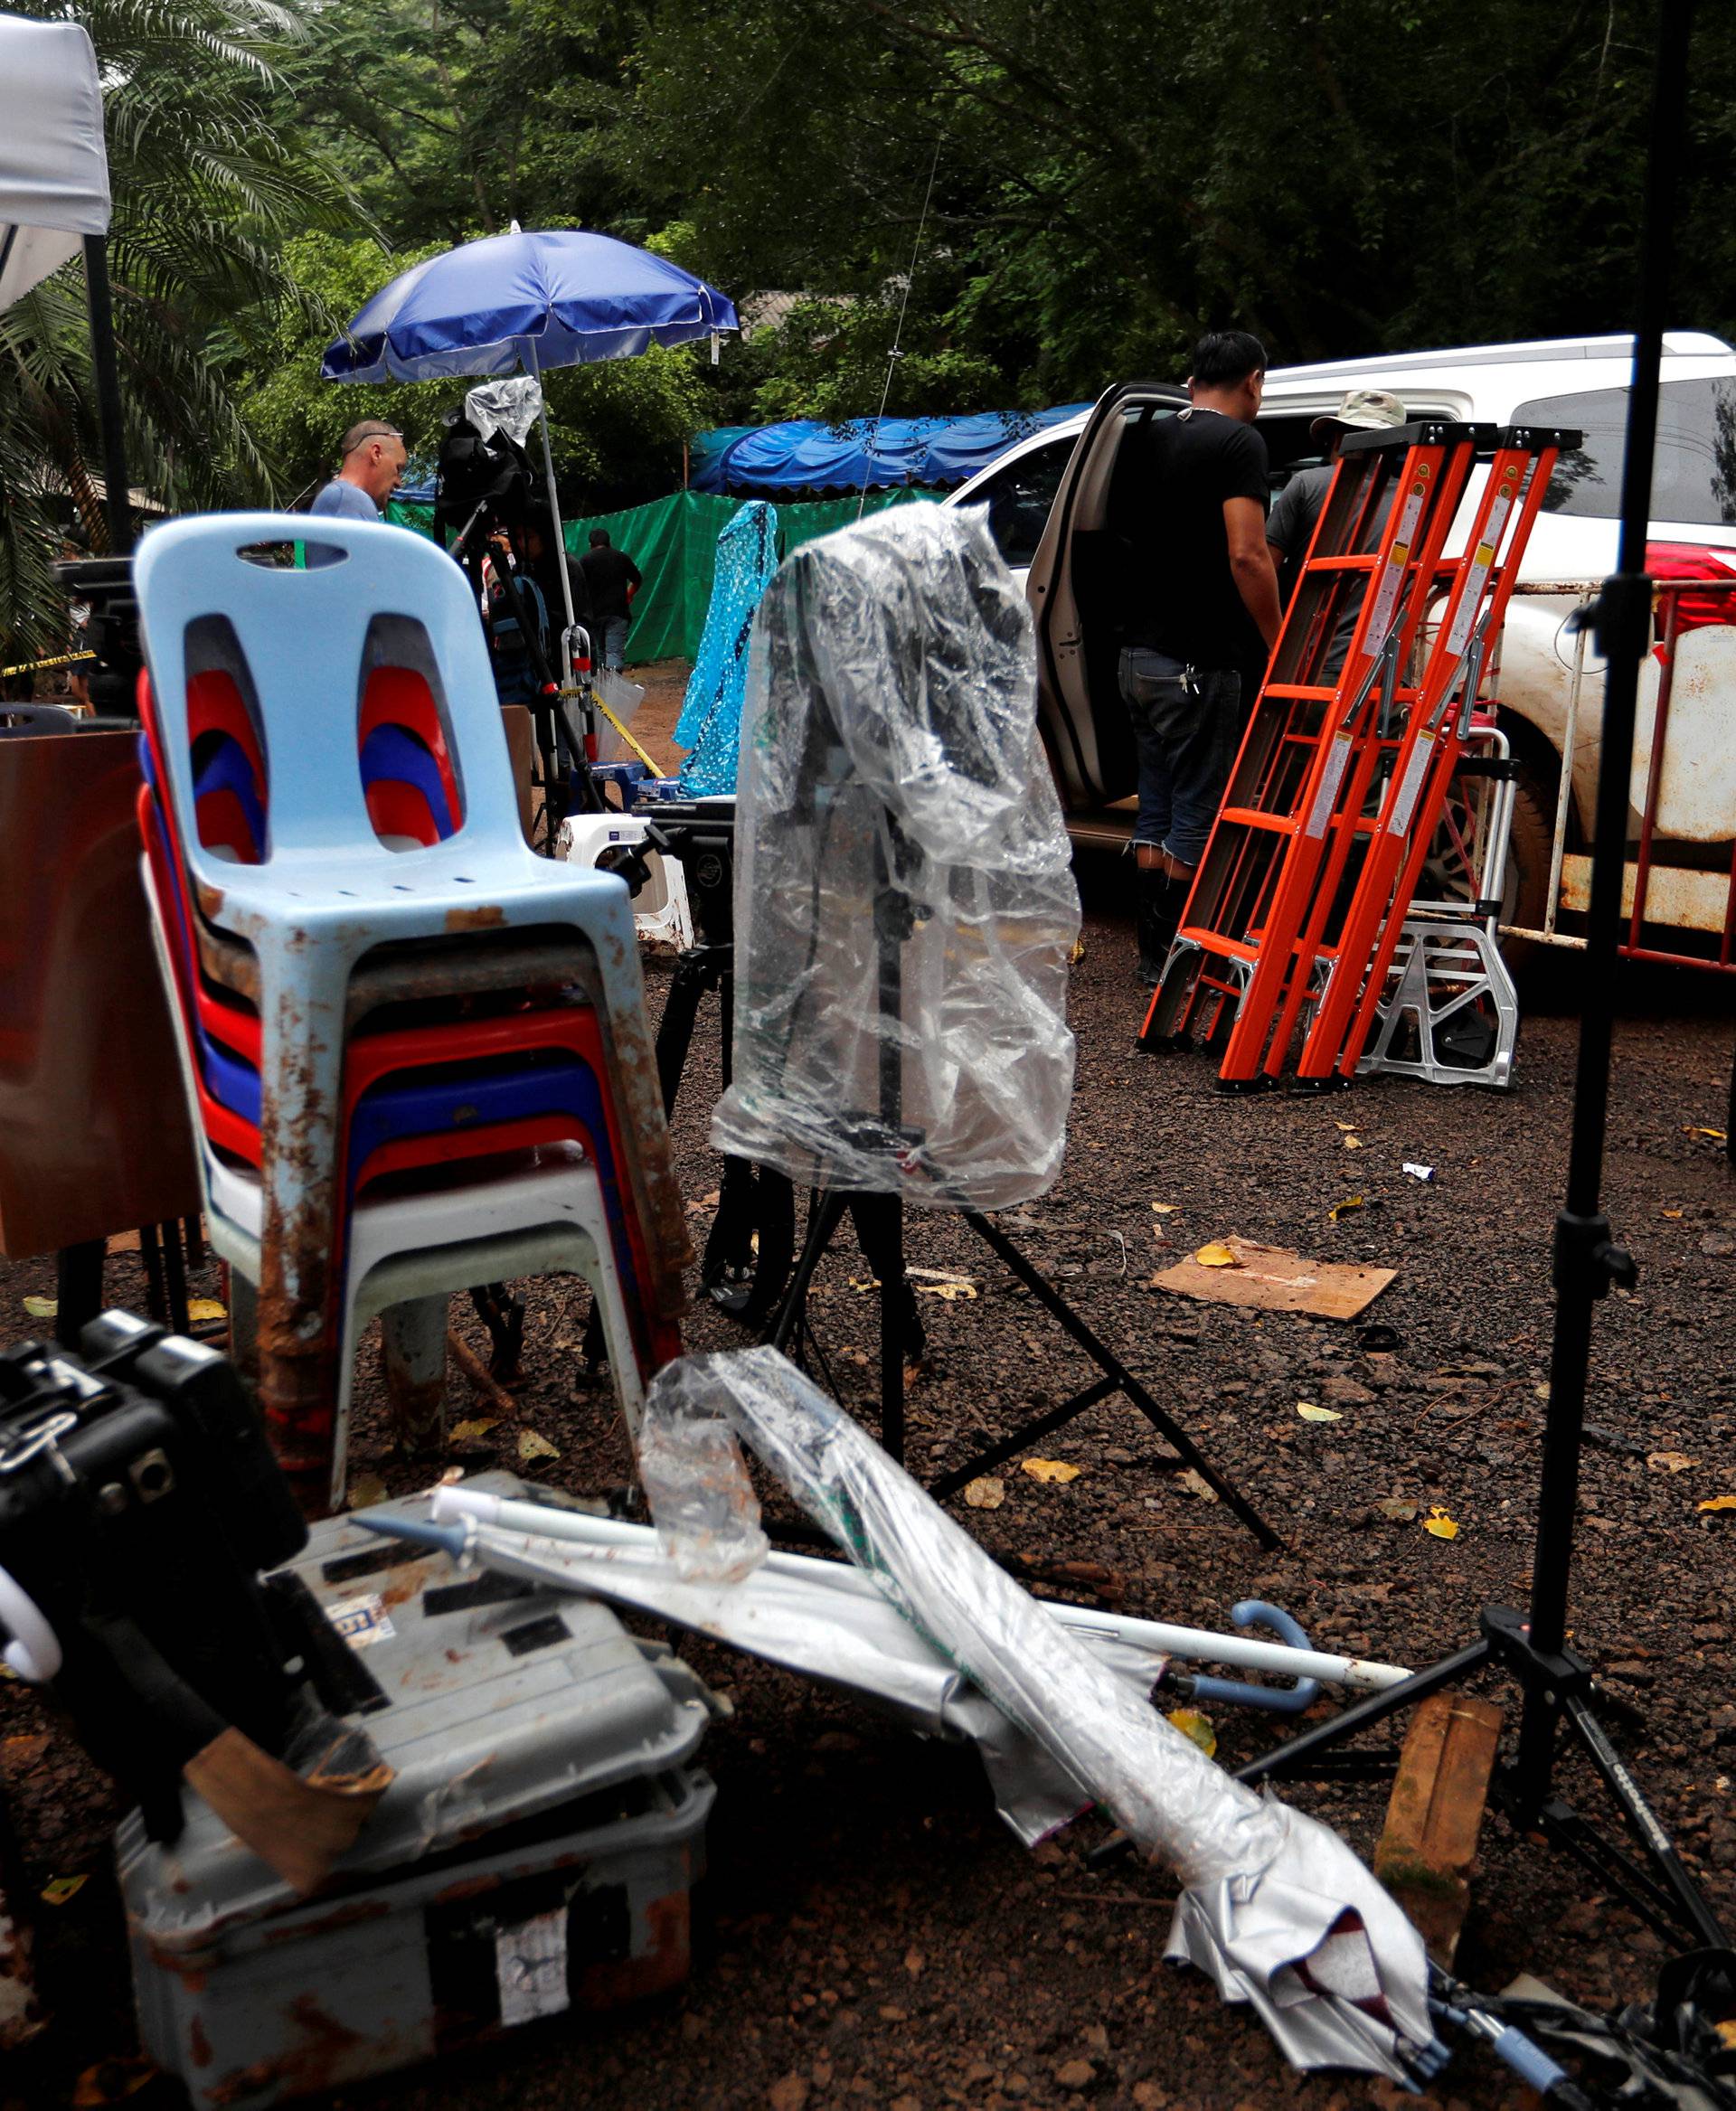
(53, 168)
(54, 201)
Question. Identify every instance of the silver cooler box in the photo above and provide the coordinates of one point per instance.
(535, 1852)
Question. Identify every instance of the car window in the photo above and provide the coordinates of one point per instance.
(1693, 477)
(1020, 496)
(1290, 446)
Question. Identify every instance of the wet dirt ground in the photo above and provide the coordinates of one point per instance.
(870, 1935)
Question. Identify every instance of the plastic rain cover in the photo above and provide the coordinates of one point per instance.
(904, 902)
(710, 715)
(511, 407)
(1277, 1908)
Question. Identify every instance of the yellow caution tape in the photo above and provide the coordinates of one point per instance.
(655, 769)
(37, 666)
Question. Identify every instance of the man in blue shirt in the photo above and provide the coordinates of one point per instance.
(373, 460)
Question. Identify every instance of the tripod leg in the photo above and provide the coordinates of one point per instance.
(174, 1275)
(827, 1216)
(1107, 1360)
(79, 1283)
(1293, 1756)
(694, 975)
(879, 1221)
(1691, 1906)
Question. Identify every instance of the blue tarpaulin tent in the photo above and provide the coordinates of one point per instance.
(805, 454)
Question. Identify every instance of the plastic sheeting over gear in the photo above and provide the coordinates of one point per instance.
(711, 714)
(1277, 1908)
(904, 899)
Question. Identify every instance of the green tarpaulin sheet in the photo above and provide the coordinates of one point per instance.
(674, 542)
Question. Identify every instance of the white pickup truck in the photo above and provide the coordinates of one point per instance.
(1060, 502)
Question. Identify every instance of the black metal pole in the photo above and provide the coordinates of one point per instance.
(1586, 1261)
(108, 378)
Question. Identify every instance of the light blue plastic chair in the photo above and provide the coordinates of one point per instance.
(329, 891)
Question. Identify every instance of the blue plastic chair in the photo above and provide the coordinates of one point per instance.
(224, 767)
(393, 754)
(329, 891)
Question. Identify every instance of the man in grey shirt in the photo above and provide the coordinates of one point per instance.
(373, 460)
(1295, 511)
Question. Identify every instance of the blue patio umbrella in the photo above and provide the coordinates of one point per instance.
(558, 297)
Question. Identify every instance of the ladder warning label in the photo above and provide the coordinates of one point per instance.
(1326, 795)
(1392, 574)
(1405, 803)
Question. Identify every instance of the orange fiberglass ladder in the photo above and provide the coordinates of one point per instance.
(1343, 772)
(1385, 519)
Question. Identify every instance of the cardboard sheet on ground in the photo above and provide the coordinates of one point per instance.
(1278, 1280)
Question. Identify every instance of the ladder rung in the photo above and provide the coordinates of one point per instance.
(1252, 817)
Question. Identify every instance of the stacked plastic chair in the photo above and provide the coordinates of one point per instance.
(415, 1051)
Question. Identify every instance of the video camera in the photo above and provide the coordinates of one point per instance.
(481, 482)
(139, 1503)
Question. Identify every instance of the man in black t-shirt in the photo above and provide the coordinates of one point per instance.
(613, 579)
(1203, 622)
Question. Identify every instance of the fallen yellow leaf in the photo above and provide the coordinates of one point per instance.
(1674, 1215)
(938, 1283)
(1672, 1462)
(1352, 1143)
(985, 1492)
(1165, 1209)
(1216, 1255)
(59, 1890)
(1197, 1728)
(1439, 1524)
(1717, 1135)
(1309, 1412)
(1718, 1503)
(1049, 1469)
(873, 1283)
(532, 1446)
(1343, 1209)
(472, 1432)
(41, 1307)
(1345, 1126)
(365, 1491)
(207, 1308)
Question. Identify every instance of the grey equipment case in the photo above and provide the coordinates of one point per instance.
(535, 1852)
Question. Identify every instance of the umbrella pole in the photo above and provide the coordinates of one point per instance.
(108, 380)
(588, 710)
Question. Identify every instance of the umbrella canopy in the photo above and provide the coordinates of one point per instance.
(53, 171)
(534, 301)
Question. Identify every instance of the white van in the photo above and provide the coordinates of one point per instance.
(1061, 504)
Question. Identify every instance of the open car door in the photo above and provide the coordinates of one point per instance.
(1082, 586)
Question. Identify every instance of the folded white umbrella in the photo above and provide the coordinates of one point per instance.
(1275, 1906)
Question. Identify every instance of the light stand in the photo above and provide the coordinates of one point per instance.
(1558, 1687)
(880, 1221)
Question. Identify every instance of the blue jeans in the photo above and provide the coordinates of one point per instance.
(615, 644)
(1187, 724)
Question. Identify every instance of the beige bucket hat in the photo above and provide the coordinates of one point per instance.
(1361, 411)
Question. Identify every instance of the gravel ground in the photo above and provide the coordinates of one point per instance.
(869, 1933)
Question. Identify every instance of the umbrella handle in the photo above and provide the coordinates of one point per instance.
(1276, 1700)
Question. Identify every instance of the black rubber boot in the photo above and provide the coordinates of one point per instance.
(1157, 911)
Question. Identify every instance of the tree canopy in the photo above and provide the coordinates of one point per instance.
(1032, 199)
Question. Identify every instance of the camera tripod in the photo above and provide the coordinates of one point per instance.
(880, 1220)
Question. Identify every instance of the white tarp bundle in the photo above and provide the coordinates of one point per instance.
(53, 169)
